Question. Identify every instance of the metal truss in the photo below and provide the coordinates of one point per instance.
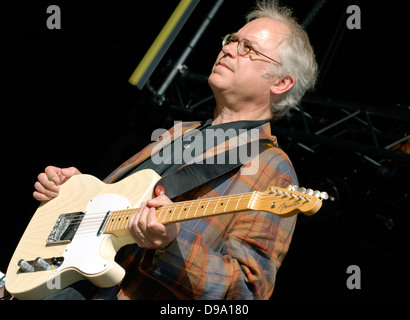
(375, 133)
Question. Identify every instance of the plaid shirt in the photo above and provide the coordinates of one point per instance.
(232, 256)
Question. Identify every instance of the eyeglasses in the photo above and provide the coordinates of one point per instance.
(244, 46)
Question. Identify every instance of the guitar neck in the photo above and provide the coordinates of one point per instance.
(182, 211)
(280, 201)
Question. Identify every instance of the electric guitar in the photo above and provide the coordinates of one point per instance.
(76, 235)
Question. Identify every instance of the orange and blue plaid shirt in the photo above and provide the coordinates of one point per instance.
(232, 256)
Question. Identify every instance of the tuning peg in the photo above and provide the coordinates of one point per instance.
(295, 188)
(324, 196)
(316, 193)
(302, 190)
(309, 192)
(289, 187)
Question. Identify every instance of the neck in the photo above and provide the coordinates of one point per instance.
(230, 108)
(117, 223)
(224, 114)
(280, 201)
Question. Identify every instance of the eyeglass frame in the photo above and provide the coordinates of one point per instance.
(240, 43)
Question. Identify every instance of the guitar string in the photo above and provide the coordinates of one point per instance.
(92, 220)
(228, 197)
(119, 214)
(81, 215)
(95, 218)
(87, 230)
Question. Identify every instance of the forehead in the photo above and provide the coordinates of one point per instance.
(264, 32)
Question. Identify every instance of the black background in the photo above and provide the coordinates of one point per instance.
(66, 100)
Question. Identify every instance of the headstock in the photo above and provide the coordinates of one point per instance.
(289, 201)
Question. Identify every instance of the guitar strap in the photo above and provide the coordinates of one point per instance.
(196, 174)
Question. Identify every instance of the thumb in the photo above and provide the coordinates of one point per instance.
(159, 201)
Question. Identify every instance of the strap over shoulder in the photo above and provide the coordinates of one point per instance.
(196, 174)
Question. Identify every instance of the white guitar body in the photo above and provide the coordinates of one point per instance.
(90, 254)
(87, 252)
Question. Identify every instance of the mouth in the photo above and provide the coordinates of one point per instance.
(223, 65)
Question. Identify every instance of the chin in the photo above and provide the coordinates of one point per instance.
(215, 81)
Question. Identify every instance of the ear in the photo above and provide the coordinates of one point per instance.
(282, 85)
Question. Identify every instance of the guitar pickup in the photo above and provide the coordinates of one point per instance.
(65, 228)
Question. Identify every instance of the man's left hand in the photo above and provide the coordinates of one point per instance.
(145, 228)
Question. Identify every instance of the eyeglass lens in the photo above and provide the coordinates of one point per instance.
(244, 46)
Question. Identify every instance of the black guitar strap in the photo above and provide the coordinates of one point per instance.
(196, 174)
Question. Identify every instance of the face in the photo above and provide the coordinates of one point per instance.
(239, 76)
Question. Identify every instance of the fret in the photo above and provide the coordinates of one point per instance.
(126, 215)
(207, 204)
(227, 201)
(112, 221)
(189, 209)
(237, 203)
(166, 211)
(159, 212)
(120, 219)
(171, 210)
(117, 220)
(197, 207)
(180, 210)
(184, 209)
(216, 206)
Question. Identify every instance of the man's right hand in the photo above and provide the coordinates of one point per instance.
(48, 184)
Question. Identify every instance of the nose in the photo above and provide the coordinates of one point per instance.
(230, 49)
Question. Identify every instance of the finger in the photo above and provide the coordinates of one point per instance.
(153, 226)
(54, 173)
(133, 220)
(141, 224)
(40, 188)
(40, 196)
(44, 180)
(47, 194)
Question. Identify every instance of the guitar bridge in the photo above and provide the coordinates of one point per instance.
(65, 228)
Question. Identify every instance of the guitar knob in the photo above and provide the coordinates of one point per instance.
(42, 264)
(25, 266)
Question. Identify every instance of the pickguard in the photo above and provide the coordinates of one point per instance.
(84, 252)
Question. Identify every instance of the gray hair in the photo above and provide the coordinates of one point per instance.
(295, 52)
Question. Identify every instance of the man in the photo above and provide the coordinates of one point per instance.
(262, 71)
